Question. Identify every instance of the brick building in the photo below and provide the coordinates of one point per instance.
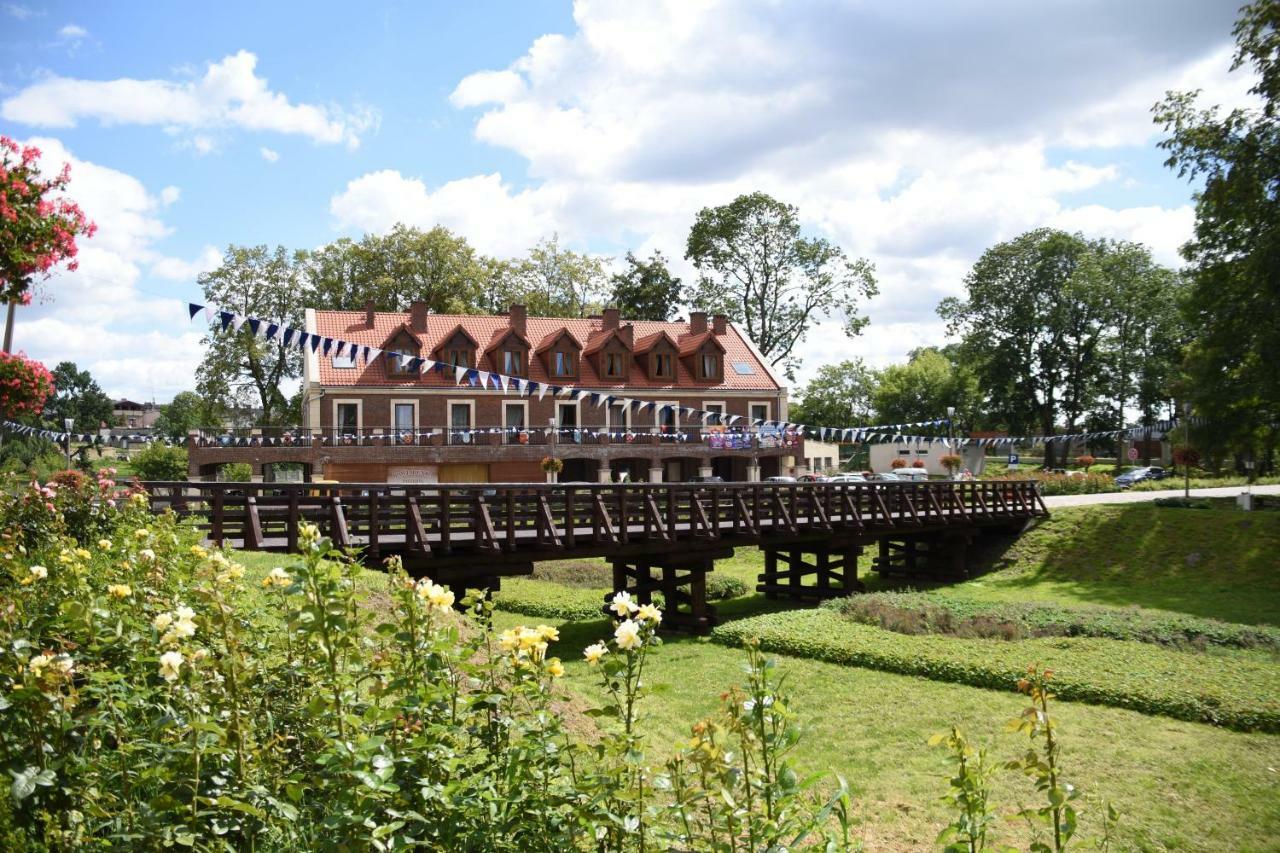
(644, 400)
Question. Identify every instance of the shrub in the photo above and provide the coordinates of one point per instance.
(919, 463)
(939, 613)
(158, 461)
(1086, 462)
(1239, 692)
(1063, 484)
(235, 472)
(153, 698)
(898, 463)
(723, 587)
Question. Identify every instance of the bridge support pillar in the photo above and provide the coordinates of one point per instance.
(936, 556)
(834, 570)
(655, 474)
(682, 580)
(605, 474)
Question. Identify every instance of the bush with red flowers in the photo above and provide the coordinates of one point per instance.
(38, 224)
(24, 385)
(898, 463)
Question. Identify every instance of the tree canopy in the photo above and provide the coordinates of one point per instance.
(839, 395)
(1234, 257)
(755, 267)
(241, 370)
(186, 412)
(78, 396)
(923, 388)
(551, 281)
(645, 289)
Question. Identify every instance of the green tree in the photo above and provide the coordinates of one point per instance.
(186, 412)
(551, 282)
(159, 462)
(239, 369)
(1235, 253)
(79, 397)
(755, 267)
(646, 289)
(923, 389)
(1032, 328)
(392, 270)
(839, 395)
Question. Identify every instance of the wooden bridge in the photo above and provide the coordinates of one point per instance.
(657, 536)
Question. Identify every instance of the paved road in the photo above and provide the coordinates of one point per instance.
(1137, 497)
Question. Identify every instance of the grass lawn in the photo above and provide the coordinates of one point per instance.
(872, 727)
(1180, 785)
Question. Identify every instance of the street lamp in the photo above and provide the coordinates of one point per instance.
(67, 424)
(951, 413)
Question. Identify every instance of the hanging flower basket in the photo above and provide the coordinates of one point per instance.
(552, 465)
(24, 385)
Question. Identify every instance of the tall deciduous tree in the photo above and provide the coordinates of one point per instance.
(755, 267)
(1234, 256)
(839, 395)
(1032, 326)
(924, 388)
(240, 370)
(79, 397)
(551, 281)
(404, 265)
(646, 289)
(186, 412)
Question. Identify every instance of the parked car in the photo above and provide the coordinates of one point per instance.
(847, 478)
(913, 475)
(812, 478)
(886, 477)
(711, 479)
(779, 479)
(1138, 475)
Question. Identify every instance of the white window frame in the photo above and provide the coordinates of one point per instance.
(348, 359)
(448, 413)
(347, 401)
(768, 409)
(577, 413)
(524, 406)
(724, 412)
(626, 416)
(657, 414)
(393, 427)
(521, 368)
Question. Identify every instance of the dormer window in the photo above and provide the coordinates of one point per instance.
(710, 364)
(459, 358)
(347, 359)
(663, 366)
(398, 365)
(513, 362)
(615, 365)
(562, 363)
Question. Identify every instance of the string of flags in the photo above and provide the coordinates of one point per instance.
(81, 437)
(289, 337)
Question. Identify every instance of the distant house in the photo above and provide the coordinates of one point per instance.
(882, 456)
(131, 415)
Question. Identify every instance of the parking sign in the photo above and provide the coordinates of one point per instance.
(1013, 461)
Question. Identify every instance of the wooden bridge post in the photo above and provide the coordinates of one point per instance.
(834, 570)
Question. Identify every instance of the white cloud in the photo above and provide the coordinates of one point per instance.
(230, 94)
(15, 10)
(269, 155)
(176, 269)
(100, 316)
(73, 32)
(169, 195)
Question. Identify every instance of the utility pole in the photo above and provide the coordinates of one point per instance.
(1186, 449)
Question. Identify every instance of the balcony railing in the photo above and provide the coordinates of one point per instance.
(720, 438)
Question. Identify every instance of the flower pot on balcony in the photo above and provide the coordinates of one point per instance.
(553, 477)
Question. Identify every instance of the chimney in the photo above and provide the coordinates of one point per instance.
(698, 322)
(610, 319)
(368, 313)
(517, 318)
(628, 334)
(720, 324)
(418, 317)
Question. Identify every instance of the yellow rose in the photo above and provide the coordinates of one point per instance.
(554, 668)
(119, 590)
(594, 652)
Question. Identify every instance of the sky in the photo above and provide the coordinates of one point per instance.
(914, 135)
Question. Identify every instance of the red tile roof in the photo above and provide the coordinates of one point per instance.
(351, 326)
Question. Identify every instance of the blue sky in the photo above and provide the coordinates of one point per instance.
(914, 137)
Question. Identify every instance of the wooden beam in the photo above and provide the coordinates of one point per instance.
(782, 513)
(252, 525)
(743, 515)
(655, 517)
(486, 536)
(338, 523)
(602, 520)
(547, 523)
(415, 533)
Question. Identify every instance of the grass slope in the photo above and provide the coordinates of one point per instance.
(1217, 563)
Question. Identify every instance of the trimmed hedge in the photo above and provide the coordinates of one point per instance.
(940, 613)
(1236, 689)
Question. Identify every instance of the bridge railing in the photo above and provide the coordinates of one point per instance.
(506, 517)
(726, 438)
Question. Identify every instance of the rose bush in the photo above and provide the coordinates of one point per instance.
(25, 385)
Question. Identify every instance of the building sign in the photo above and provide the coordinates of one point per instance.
(719, 438)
